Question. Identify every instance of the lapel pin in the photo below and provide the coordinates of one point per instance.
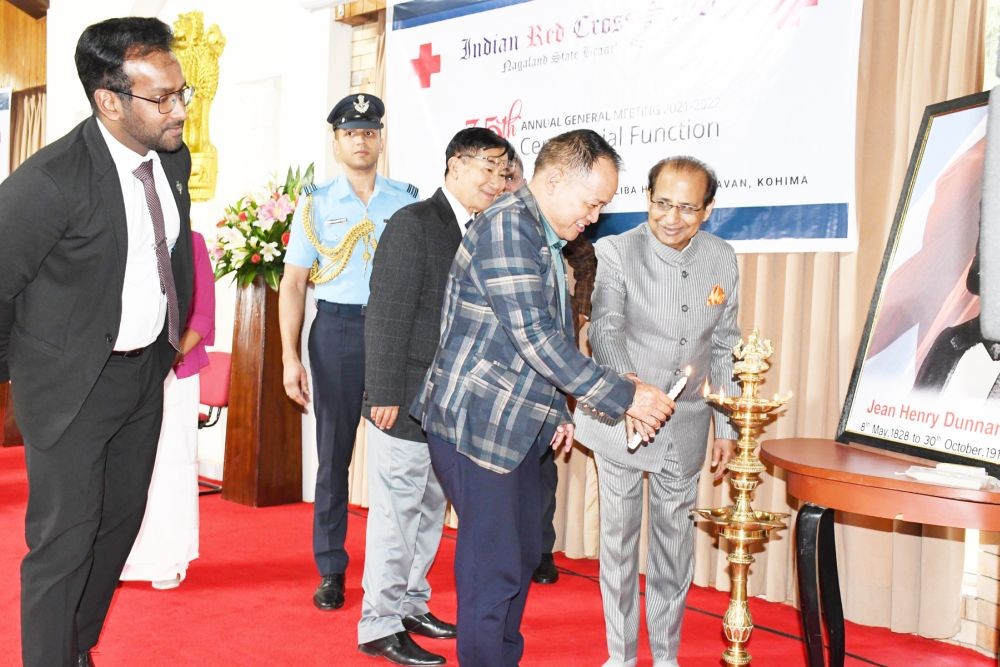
(180, 188)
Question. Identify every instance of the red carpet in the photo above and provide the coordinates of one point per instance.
(247, 601)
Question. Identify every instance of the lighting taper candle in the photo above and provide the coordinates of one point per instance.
(673, 393)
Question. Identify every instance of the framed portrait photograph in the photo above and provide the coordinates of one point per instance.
(925, 381)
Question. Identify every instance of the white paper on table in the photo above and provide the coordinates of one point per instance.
(953, 475)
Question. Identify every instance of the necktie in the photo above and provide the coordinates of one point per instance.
(993, 347)
(468, 223)
(144, 172)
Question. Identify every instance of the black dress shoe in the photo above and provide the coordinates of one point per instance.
(329, 594)
(400, 649)
(429, 625)
(546, 572)
(83, 659)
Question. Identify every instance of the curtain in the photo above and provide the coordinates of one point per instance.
(379, 90)
(357, 474)
(27, 114)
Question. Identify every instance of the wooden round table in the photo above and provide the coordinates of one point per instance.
(827, 475)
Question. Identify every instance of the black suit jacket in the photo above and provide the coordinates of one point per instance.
(63, 246)
(403, 318)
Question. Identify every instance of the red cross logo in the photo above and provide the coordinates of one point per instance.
(425, 65)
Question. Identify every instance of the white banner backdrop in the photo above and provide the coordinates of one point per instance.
(763, 91)
(5, 128)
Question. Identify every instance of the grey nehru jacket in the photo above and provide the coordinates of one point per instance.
(652, 316)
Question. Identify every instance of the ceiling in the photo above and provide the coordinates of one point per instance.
(34, 8)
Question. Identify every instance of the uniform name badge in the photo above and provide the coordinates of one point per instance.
(334, 221)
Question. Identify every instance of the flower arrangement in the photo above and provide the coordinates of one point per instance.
(254, 232)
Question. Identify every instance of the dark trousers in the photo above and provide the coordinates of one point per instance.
(549, 480)
(498, 548)
(337, 358)
(86, 498)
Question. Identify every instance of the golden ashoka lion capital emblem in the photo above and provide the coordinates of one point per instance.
(198, 51)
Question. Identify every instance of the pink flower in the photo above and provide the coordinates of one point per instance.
(276, 209)
(243, 216)
(255, 258)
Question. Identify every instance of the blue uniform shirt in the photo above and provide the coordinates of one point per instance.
(336, 209)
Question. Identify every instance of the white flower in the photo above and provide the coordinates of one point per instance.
(260, 195)
(240, 256)
(231, 238)
(269, 251)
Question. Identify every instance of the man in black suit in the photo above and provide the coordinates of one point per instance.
(96, 278)
(402, 325)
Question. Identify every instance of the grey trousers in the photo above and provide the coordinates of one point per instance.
(669, 561)
(405, 516)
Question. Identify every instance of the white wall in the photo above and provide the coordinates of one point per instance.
(282, 69)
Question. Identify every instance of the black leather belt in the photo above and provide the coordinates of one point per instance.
(129, 354)
(355, 309)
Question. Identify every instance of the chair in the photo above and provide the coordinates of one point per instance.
(214, 383)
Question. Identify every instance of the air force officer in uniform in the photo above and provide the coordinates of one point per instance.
(335, 229)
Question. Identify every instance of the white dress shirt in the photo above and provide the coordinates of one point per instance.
(144, 306)
(461, 213)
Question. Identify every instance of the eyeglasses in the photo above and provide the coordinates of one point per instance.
(687, 212)
(492, 165)
(167, 102)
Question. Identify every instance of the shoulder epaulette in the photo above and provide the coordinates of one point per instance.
(309, 188)
(401, 186)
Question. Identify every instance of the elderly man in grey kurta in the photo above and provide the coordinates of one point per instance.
(665, 299)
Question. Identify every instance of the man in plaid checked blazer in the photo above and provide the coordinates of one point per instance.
(495, 394)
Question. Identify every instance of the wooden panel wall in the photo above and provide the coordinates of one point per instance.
(22, 48)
